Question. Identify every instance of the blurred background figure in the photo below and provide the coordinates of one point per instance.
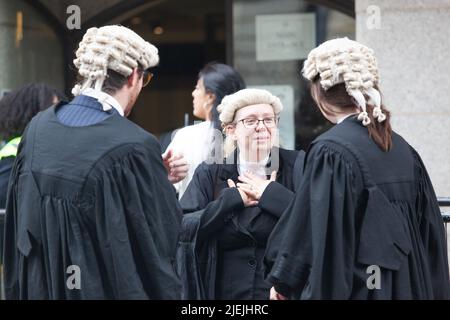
(17, 109)
(196, 142)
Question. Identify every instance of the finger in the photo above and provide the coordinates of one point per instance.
(248, 191)
(178, 163)
(174, 179)
(272, 294)
(177, 157)
(174, 157)
(245, 179)
(231, 183)
(179, 170)
(253, 203)
(273, 176)
(167, 154)
(281, 297)
(244, 186)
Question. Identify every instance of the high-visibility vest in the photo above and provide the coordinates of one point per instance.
(10, 149)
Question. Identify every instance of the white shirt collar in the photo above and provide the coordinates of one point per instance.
(107, 101)
(257, 168)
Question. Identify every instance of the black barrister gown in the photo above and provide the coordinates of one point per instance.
(97, 198)
(357, 207)
(222, 243)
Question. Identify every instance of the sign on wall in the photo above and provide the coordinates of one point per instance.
(281, 37)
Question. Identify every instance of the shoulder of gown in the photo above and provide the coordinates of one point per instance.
(317, 221)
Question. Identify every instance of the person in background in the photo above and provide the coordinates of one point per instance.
(199, 141)
(17, 109)
(365, 222)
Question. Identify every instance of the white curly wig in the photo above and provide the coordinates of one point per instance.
(346, 61)
(244, 98)
(111, 47)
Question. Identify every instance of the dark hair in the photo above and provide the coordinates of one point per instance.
(221, 80)
(18, 107)
(114, 80)
(337, 100)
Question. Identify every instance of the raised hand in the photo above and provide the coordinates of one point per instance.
(248, 200)
(176, 166)
(253, 185)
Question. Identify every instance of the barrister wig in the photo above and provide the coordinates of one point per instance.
(111, 47)
(244, 98)
(346, 61)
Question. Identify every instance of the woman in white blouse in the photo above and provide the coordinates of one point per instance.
(196, 142)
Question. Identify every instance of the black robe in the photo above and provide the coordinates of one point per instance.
(6, 165)
(359, 208)
(96, 199)
(222, 243)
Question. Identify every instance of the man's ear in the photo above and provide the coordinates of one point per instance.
(133, 78)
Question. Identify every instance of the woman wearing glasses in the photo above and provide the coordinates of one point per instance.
(231, 207)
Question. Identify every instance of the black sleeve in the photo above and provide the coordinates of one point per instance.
(137, 221)
(11, 253)
(432, 231)
(6, 165)
(199, 198)
(11, 264)
(275, 199)
(314, 241)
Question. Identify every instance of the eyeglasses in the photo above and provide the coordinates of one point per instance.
(252, 123)
(146, 77)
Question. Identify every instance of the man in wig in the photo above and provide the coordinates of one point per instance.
(91, 213)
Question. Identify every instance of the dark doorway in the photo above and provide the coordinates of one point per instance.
(188, 34)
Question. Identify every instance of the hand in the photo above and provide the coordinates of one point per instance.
(248, 200)
(176, 166)
(253, 185)
(274, 295)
